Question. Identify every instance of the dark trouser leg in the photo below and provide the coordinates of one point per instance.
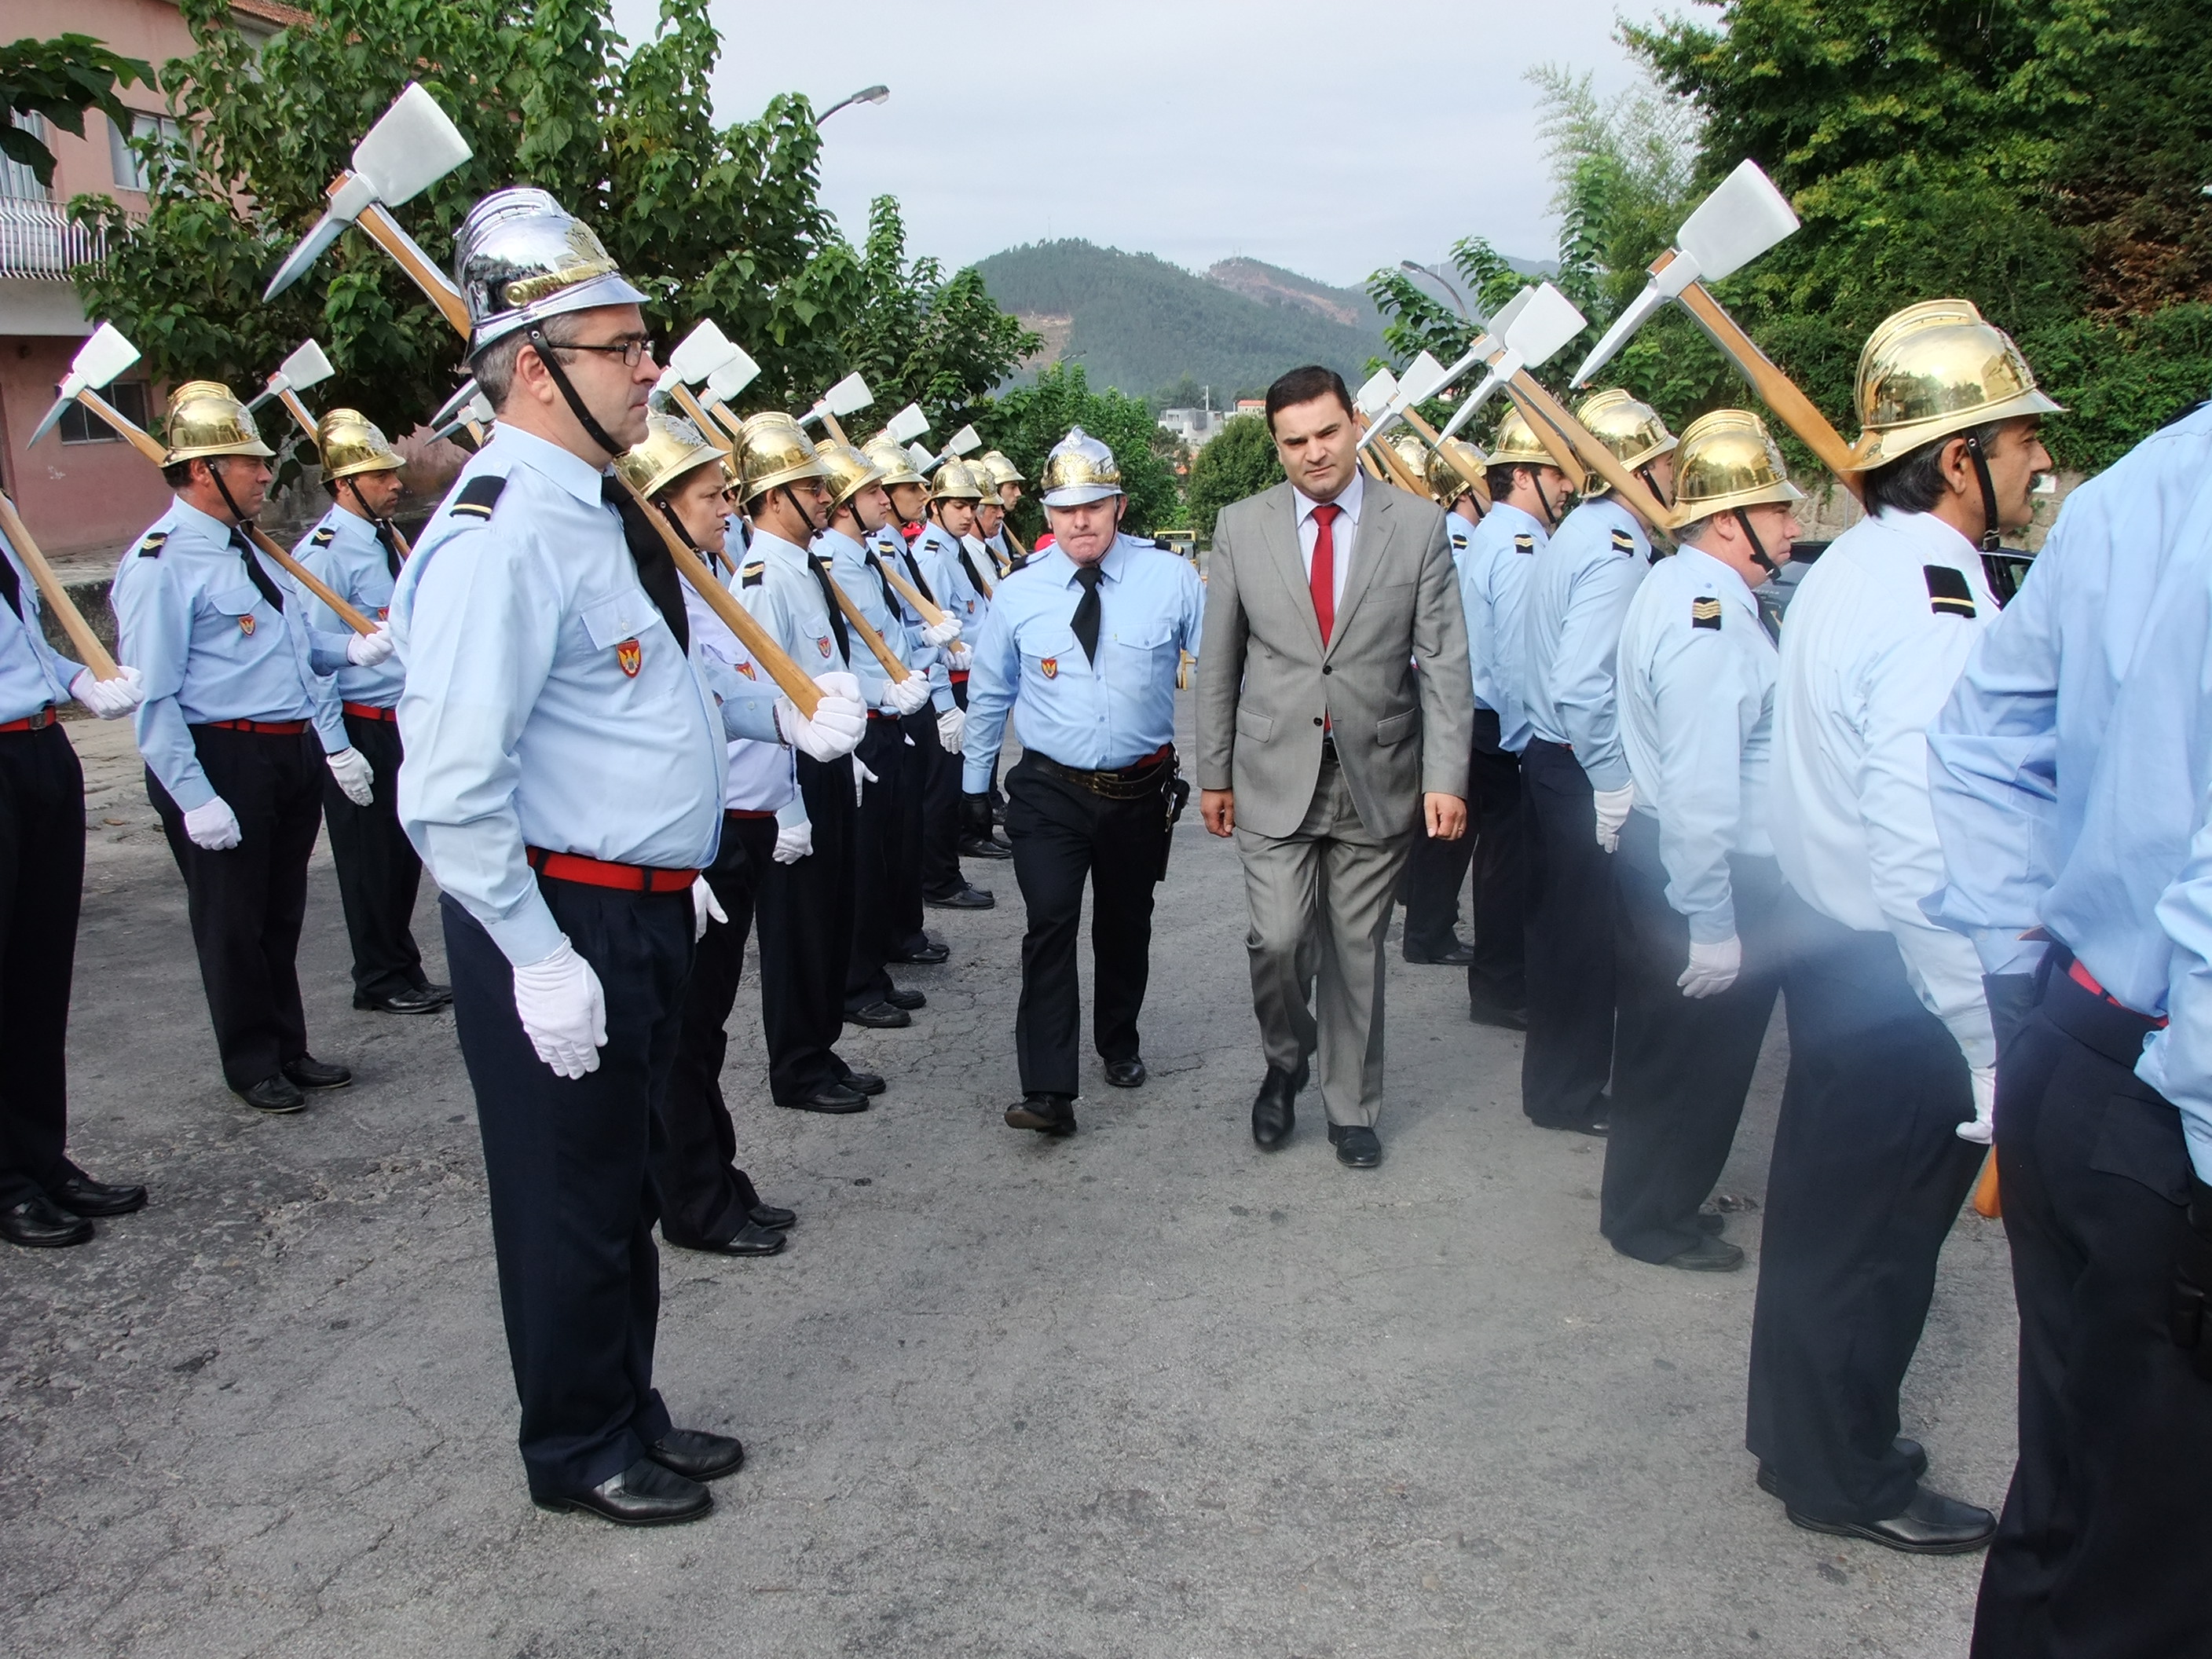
(875, 829)
(1868, 1177)
(1051, 825)
(1568, 1056)
(41, 882)
(2107, 1525)
(246, 904)
(1429, 888)
(1681, 1065)
(1127, 848)
(806, 915)
(1494, 978)
(379, 873)
(915, 759)
(704, 1197)
(941, 816)
(568, 1162)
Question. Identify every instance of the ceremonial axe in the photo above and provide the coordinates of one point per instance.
(307, 366)
(700, 355)
(1368, 405)
(468, 408)
(847, 397)
(960, 443)
(103, 356)
(904, 426)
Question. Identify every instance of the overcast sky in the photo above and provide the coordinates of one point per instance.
(1328, 139)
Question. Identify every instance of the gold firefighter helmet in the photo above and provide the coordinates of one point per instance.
(1729, 460)
(1079, 469)
(673, 446)
(1000, 470)
(849, 471)
(956, 481)
(206, 420)
(1413, 454)
(1457, 468)
(521, 256)
(1631, 430)
(772, 451)
(350, 444)
(1515, 444)
(889, 458)
(1933, 370)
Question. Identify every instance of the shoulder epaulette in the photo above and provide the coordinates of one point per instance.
(752, 573)
(1706, 612)
(478, 496)
(1947, 592)
(325, 535)
(1459, 541)
(1623, 542)
(150, 547)
(1524, 542)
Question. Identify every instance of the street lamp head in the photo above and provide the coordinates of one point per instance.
(865, 95)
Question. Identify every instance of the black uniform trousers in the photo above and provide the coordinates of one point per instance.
(2109, 1520)
(1868, 1177)
(1500, 899)
(877, 937)
(246, 904)
(1568, 1056)
(42, 883)
(569, 1163)
(915, 759)
(1429, 888)
(805, 913)
(379, 872)
(1064, 834)
(1682, 1066)
(941, 876)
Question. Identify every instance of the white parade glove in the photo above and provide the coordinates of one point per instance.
(356, 777)
(793, 842)
(705, 908)
(961, 659)
(1713, 968)
(564, 1012)
(837, 727)
(366, 650)
(1613, 807)
(1985, 1107)
(942, 633)
(110, 699)
(906, 695)
(213, 826)
(950, 726)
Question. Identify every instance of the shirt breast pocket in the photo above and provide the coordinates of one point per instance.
(1139, 649)
(621, 626)
(224, 610)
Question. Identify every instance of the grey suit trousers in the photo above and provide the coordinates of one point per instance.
(1320, 900)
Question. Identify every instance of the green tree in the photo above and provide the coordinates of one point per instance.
(59, 80)
(1240, 461)
(1027, 422)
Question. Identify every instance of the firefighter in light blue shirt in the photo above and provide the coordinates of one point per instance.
(1087, 639)
(961, 588)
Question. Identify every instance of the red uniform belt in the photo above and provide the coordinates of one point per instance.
(745, 813)
(960, 677)
(38, 722)
(2082, 977)
(369, 711)
(597, 872)
(267, 728)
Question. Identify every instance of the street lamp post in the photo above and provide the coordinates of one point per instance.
(1458, 304)
(865, 95)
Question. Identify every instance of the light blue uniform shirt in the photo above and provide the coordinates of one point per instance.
(1110, 713)
(892, 551)
(546, 703)
(848, 566)
(777, 585)
(2176, 1062)
(32, 672)
(344, 553)
(2011, 755)
(1493, 591)
(940, 553)
(1697, 723)
(1585, 577)
(190, 618)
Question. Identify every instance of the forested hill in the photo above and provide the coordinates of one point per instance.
(1141, 325)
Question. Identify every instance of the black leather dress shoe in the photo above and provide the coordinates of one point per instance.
(1491, 1013)
(972, 848)
(968, 898)
(864, 1083)
(929, 954)
(770, 1215)
(1128, 1073)
(836, 1099)
(879, 1017)
(308, 1072)
(1708, 1255)
(751, 1239)
(1931, 1524)
(1911, 1450)
(696, 1455)
(38, 1224)
(82, 1195)
(1454, 955)
(428, 1000)
(1358, 1147)
(900, 998)
(645, 1494)
(1051, 1115)
(274, 1095)
(1711, 1223)
(1274, 1109)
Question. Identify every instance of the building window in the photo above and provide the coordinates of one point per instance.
(132, 171)
(17, 182)
(79, 425)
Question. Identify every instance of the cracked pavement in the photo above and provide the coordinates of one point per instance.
(1146, 1392)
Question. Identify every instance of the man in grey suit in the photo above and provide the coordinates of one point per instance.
(1321, 747)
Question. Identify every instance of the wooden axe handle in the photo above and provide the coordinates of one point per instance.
(140, 439)
(1014, 541)
(1382, 451)
(913, 595)
(1374, 467)
(1600, 460)
(898, 671)
(57, 597)
(290, 399)
(708, 429)
(829, 425)
(1479, 486)
(1555, 441)
(384, 230)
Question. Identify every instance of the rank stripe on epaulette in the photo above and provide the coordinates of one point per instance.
(1524, 542)
(1623, 542)
(150, 547)
(478, 496)
(325, 535)
(1705, 613)
(1947, 592)
(751, 574)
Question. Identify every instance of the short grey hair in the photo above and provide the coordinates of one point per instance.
(495, 369)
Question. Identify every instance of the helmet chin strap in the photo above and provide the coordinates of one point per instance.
(224, 491)
(585, 418)
(362, 502)
(1992, 538)
(1543, 501)
(1758, 547)
(793, 500)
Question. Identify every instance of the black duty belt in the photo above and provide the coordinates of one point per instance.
(1133, 782)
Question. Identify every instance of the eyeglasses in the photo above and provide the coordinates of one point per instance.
(631, 352)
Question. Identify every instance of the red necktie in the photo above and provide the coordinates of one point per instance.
(1322, 579)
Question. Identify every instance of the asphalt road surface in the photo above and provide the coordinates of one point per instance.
(1147, 1391)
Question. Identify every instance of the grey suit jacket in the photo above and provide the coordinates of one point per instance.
(1267, 679)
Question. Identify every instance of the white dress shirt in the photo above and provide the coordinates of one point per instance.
(1340, 534)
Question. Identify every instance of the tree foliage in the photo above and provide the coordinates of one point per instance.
(1028, 420)
(59, 80)
(1240, 460)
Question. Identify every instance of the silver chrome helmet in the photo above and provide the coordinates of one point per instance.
(520, 256)
(1079, 469)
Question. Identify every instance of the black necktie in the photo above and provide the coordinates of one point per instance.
(390, 547)
(975, 576)
(10, 589)
(1084, 622)
(915, 569)
(262, 579)
(830, 604)
(890, 593)
(656, 571)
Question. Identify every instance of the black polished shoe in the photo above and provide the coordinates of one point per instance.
(900, 997)
(770, 1215)
(836, 1100)
(1711, 1223)
(308, 1072)
(1456, 955)
(645, 1494)
(1595, 1124)
(1491, 1013)
(38, 1224)
(1051, 1115)
(930, 954)
(879, 1017)
(1358, 1147)
(1708, 1255)
(968, 898)
(696, 1455)
(1931, 1524)
(82, 1195)
(864, 1083)
(1911, 1450)
(273, 1095)
(751, 1239)
(1274, 1109)
(428, 1000)
(972, 848)
(1128, 1073)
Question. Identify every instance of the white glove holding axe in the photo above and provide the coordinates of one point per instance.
(368, 650)
(838, 722)
(942, 633)
(110, 699)
(904, 697)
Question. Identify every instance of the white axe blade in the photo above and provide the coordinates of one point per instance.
(924, 462)
(477, 409)
(696, 356)
(1533, 338)
(455, 409)
(1424, 377)
(962, 441)
(848, 395)
(307, 366)
(97, 361)
(1638, 313)
(906, 425)
(733, 377)
(412, 146)
(1372, 398)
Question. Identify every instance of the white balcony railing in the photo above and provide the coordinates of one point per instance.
(38, 240)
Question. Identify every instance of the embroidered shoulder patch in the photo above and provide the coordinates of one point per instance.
(1947, 592)
(324, 536)
(1705, 613)
(478, 496)
(751, 576)
(150, 548)
(1623, 542)
(1524, 542)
